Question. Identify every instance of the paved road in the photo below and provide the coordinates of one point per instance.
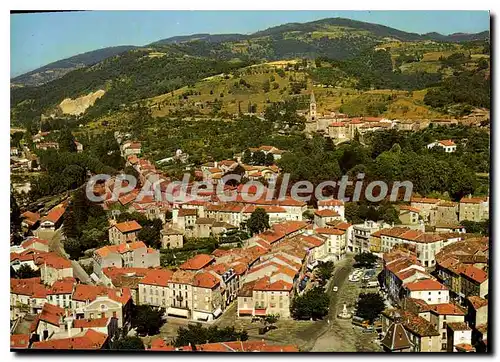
(340, 335)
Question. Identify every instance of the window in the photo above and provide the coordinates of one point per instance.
(444, 335)
(444, 324)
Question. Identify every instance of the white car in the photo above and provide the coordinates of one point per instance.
(335, 288)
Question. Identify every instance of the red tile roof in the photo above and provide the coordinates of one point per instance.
(326, 213)
(330, 202)
(54, 261)
(448, 309)
(62, 287)
(187, 212)
(477, 302)
(337, 124)
(473, 200)
(91, 339)
(197, 262)
(205, 280)
(447, 143)
(458, 326)
(475, 274)
(83, 292)
(91, 323)
(426, 284)
(52, 314)
(235, 346)
(30, 217)
(329, 231)
(265, 284)
(55, 214)
(128, 226)
(19, 341)
(424, 200)
(409, 208)
(158, 277)
(120, 248)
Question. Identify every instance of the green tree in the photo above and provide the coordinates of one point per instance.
(370, 305)
(247, 157)
(66, 140)
(258, 221)
(25, 272)
(147, 319)
(324, 271)
(128, 343)
(312, 304)
(151, 236)
(269, 159)
(196, 334)
(365, 259)
(15, 214)
(259, 158)
(73, 247)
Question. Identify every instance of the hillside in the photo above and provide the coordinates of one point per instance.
(344, 57)
(61, 67)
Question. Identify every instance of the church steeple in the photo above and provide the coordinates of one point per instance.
(312, 108)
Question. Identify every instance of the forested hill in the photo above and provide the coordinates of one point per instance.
(336, 38)
(338, 53)
(59, 68)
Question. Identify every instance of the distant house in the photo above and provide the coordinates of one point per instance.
(124, 232)
(14, 151)
(131, 148)
(409, 215)
(447, 145)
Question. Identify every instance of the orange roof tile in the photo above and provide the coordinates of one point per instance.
(448, 309)
(128, 226)
(62, 287)
(55, 214)
(205, 280)
(326, 213)
(197, 262)
(477, 302)
(52, 314)
(329, 231)
(91, 339)
(458, 326)
(19, 341)
(447, 143)
(159, 277)
(91, 323)
(426, 284)
(475, 274)
(330, 202)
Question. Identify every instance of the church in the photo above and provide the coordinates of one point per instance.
(320, 122)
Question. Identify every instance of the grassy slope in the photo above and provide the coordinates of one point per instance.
(402, 104)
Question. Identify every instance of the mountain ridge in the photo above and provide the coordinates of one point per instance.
(59, 68)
